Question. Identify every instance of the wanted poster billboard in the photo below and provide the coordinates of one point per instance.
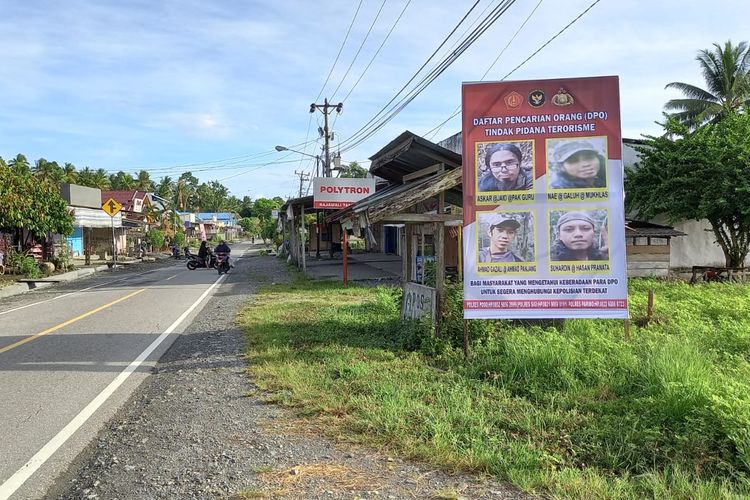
(544, 222)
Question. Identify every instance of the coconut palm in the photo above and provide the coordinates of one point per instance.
(726, 71)
(143, 181)
(100, 179)
(70, 173)
(19, 164)
(165, 188)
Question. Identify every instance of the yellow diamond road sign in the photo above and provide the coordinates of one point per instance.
(112, 207)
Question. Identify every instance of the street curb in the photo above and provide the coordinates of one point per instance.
(20, 288)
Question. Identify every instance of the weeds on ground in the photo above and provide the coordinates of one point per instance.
(569, 408)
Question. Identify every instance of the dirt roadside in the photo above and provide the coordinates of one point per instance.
(198, 428)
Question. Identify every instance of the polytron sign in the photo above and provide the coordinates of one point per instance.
(334, 192)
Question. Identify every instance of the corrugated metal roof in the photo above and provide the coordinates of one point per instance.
(409, 153)
(639, 228)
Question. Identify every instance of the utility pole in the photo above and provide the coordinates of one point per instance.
(326, 108)
(303, 176)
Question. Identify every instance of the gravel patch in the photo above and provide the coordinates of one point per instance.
(198, 428)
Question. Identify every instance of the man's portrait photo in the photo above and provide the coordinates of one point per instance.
(574, 163)
(506, 237)
(579, 235)
(505, 166)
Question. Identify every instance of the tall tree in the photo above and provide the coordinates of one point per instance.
(70, 173)
(354, 170)
(143, 181)
(122, 181)
(726, 72)
(701, 174)
(165, 188)
(100, 179)
(19, 164)
(32, 205)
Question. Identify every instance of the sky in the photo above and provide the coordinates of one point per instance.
(212, 87)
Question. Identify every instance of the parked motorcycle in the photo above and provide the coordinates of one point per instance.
(194, 262)
(222, 262)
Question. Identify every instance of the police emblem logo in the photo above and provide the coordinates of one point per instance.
(513, 100)
(537, 98)
(562, 98)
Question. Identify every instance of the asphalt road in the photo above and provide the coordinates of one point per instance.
(71, 355)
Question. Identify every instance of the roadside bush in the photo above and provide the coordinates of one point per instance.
(179, 239)
(156, 238)
(25, 264)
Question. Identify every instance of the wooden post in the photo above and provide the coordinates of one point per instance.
(650, 310)
(421, 252)
(346, 256)
(409, 252)
(302, 237)
(627, 329)
(461, 253)
(404, 254)
(466, 339)
(439, 239)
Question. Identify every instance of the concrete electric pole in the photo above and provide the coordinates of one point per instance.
(326, 108)
(303, 176)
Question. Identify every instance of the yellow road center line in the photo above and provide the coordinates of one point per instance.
(69, 322)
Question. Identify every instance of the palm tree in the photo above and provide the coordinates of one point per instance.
(165, 188)
(726, 71)
(70, 173)
(19, 164)
(100, 179)
(143, 181)
(48, 171)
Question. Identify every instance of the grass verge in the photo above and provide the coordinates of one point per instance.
(568, 409)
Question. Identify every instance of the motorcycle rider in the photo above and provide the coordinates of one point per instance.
(203, 252)
(222, 247)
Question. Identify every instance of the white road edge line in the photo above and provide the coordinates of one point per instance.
(29, 468)
(72, 293)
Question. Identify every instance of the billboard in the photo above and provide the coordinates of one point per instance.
(544, 222)
(338, 192)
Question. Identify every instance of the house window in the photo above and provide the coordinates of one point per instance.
(641, 240)
(659, 241)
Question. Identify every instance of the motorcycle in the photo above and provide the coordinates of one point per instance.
(194, 262)
(222, 262)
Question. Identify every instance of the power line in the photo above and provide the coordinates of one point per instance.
(376, 52)
(358, 50)
(528, 58)
(435, 130)
(367, 131)
(445, 40)
(209, 165)
(340, 49)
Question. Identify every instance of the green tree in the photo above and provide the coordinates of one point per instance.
(29, 204)
(19, 164)
(143, 181)
(70, 173)
(246, 207)
(212, 196)
(726, 71)
(701, 174)
(101, 179)
(165, 188)
(354, 170)
(48, 171)
(122, 181)
(251, 225)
